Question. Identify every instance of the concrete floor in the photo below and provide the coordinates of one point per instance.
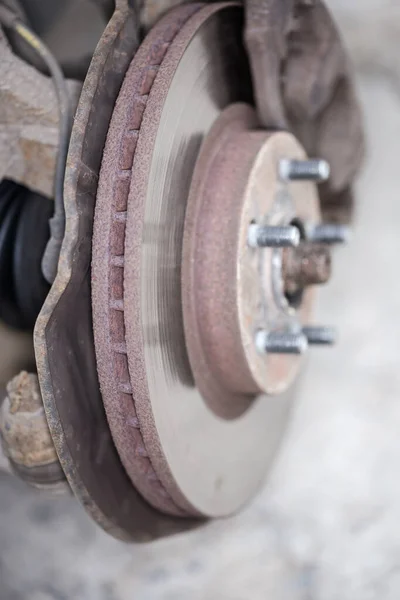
(327, 525)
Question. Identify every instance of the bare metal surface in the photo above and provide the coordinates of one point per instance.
(281, 342)
(320, 335)
(329, 233)
(316, 169)
(28, 122)
(273, 236)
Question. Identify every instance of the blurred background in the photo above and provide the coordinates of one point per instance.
(327, 524)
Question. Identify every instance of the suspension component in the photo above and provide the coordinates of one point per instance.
(24, 232)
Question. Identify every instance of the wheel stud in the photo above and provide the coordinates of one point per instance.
(329, 233)
(281, 342)
(266, 236)
(322, 336)
(317, 170)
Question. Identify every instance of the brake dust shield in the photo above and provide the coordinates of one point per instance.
(63, 338)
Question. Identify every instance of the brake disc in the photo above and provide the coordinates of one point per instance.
(192, 442)
(189, 68)
(167, 349)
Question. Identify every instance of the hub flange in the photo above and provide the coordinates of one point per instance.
(231, 289)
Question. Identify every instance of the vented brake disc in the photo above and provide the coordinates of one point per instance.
(189, 444)
(167, 349)
(190, 67)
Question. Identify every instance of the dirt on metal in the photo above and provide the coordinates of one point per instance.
(25, 435)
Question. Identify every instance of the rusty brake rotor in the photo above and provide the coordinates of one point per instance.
(185, 412)
(167, 350)
(192, 65)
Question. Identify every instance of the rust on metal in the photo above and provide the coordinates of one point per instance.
(25, 435)
(308, 264)
(231, 289)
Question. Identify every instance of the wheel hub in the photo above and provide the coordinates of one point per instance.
(233, 289)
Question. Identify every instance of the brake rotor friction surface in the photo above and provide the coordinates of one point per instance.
(165, 108)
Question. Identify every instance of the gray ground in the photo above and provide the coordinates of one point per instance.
(327, 526)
